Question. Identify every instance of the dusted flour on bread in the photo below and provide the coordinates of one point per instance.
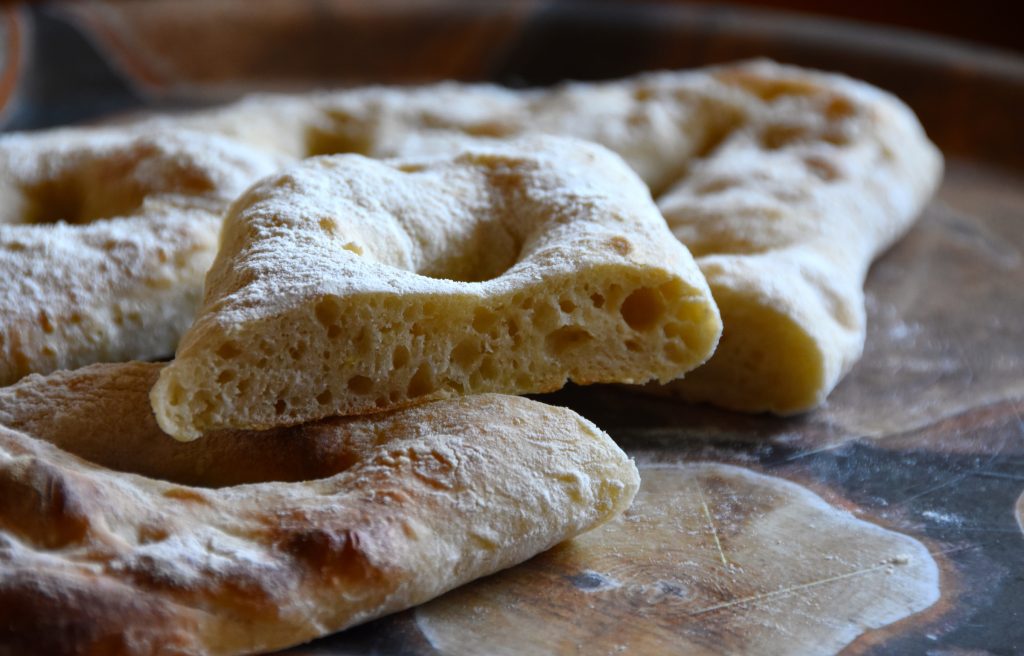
(784, 217)
(386, 512)
(105, 238)
(346, 285)
(785, 183)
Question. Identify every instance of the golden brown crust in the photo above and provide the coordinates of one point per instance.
(415, 503)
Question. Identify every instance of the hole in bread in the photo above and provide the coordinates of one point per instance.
(422, 382)
(280, 406)
(68, 200)
(400, 357)
(466, 352)
(545, 316)
(48, 202)
(229, 350)
(565, 338)
(78, 189)
(643, 309)
(296, 352)
(567, 305)
(484, 319)
(226, 376)
(597, 300)
(488, 368)
(360, 384)
(328, 311)
(177, 393)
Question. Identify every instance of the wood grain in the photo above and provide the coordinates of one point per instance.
(710, 557)
(943, 352)
(944, 333)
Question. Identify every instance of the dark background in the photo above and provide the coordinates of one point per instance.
(996, 23)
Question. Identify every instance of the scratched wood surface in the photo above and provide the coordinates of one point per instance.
(834, 530)
(709, 555)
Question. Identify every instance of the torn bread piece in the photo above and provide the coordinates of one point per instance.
(382, 513)
(347, 285)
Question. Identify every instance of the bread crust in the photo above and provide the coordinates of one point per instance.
(105, 237)
(346, 285)
(385, 512)
(784, 217)
(785, 182)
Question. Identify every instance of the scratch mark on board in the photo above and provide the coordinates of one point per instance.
(764, 596)
(711, 524)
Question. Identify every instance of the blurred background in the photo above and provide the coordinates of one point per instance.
(984, 21)
(74, 61)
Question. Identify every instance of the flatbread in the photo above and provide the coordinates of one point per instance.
(346, 285)
(105, 238)
(384, 512)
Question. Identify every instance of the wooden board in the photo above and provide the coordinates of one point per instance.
(708, 555)
(921, 446)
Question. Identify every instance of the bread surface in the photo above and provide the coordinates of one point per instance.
(347, 285)
(105, 239)
(784, 217)
(384, 512)
(785, 182)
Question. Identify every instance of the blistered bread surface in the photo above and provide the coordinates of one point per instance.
(383, 512)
